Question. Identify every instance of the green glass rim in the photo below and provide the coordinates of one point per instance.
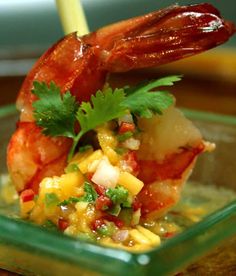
(7, 110)
(62, 247)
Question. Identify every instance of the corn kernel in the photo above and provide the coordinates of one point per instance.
(130, 182)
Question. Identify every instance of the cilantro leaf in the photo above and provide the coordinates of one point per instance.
(146, 86)
(143, 102)
(54, 112)
(118, 195)
(90, 193)
(105, 107)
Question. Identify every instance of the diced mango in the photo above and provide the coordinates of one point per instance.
(80, 156)
(130, 182)
(154, 239)
(111, 155)
(139, 237)
(69, 183)
(108, 143)
(84, 164)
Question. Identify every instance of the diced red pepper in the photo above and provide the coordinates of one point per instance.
(27, 195)
(103, 203)
(136, 204)
(125, 127)
(101, 190)
(97, 224)
(62, 224)
(132, 161)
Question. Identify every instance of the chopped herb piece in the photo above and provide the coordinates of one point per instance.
(85, 148)
(126, 215)
(128, 202)
(106, 229)
(121, 151)
(90, 193)
(51, 199)
(114, 210)
(118, 195)
(70, 200)
(125, 136)
(72, 168)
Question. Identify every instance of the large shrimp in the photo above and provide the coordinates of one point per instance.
(82, 64)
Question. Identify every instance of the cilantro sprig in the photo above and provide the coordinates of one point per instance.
(57, 113)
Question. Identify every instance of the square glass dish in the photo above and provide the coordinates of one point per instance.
(31, 250)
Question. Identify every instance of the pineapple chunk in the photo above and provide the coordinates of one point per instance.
(130, 182)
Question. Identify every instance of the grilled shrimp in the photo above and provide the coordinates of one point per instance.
(82, 65)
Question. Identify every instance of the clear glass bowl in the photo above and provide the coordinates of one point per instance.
(30, 250)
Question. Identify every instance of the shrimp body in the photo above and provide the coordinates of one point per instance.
(82, 65)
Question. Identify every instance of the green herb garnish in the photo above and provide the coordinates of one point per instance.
(57, 113)
(107, 229)
(118, 195)
(124, 136)
(69, 201)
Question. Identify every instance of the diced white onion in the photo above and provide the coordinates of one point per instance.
(131, 143)
(106, 174)
(120, 235)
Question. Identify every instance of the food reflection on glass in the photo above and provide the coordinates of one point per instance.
(106, 164)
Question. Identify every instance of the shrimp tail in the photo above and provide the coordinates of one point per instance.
(161, 37)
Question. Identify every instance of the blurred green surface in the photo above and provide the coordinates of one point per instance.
(30, 26)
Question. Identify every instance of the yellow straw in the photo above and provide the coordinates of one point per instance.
(72, 16)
